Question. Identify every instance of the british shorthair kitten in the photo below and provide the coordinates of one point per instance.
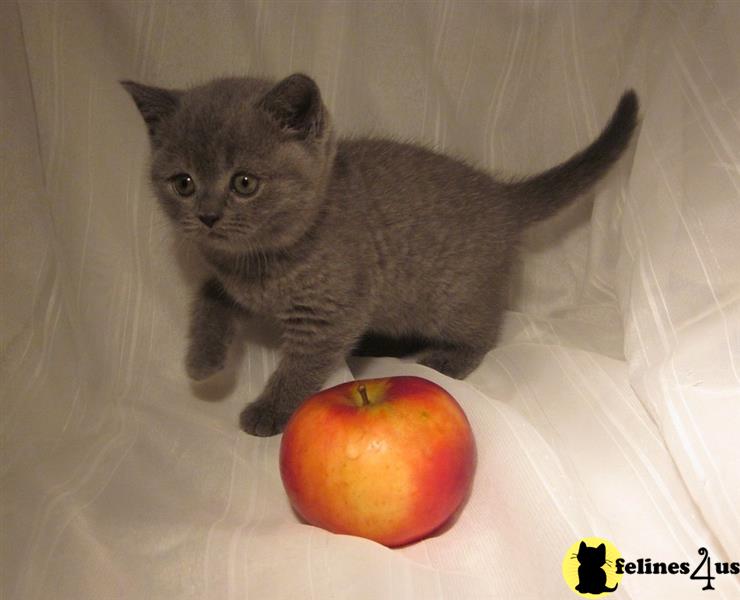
(338, 238)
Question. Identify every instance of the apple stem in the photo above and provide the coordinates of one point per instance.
(363, 393)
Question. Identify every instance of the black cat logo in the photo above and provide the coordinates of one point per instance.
(588, 567)
(591, 575)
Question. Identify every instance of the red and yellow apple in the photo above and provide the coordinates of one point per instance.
(386, 459)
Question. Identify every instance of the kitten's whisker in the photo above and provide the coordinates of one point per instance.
(267, 261)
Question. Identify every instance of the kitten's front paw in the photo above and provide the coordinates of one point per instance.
(200, 365)
(263, 419)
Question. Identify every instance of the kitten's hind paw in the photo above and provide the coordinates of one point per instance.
(455, 362)
(262, 419)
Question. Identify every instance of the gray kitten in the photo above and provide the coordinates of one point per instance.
(338, 238)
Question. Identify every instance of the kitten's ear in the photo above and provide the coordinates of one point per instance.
(582, 547)
(295, 105)
(601, 548)
(154, 104)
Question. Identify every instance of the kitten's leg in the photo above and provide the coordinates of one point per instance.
(211, 331)
(466, 341)
(469, 331)
(296, 378)
(454, 361)
(310, 353)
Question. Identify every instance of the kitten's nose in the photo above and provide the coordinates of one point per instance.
(209, 219)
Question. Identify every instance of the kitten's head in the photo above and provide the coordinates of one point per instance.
(239, 164)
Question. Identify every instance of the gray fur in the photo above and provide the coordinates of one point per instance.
(342, 237)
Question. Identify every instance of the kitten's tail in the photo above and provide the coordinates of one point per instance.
(541, 196)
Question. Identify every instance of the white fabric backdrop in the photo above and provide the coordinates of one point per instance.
(611, 406)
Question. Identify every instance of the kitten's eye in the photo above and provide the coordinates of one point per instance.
(183, 185)
(244, 185)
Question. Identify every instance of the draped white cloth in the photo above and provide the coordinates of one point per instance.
(611, 406)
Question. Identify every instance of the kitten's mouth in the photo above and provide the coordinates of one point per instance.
(215, 235)
(216, 239)
(209, 237)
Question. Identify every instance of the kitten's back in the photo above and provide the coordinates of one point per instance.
(408, 181)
